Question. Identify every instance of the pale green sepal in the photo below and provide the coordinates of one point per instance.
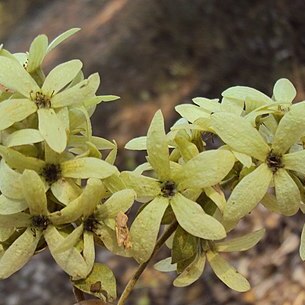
(192, 112)
(52, 129)
(19, 253)
(71, 261)
(15, 110)
(33, 190)
(284, 91)
(165, 265)
(287, 193)
(65, 190)
(192, 218)
(192, 272)
(138, 143)
(37, 52)
(62, 37)
(87, 167)
(302, 244)
(19, 220)
(157, 147)
(145, 228)
(246, 195)
(206, 169)
(10, 206)
(242, 243)
(60, 76)
(226, 273)
(100, 283)
(240, 135)
(23, 137)
(14, 77)
(295, 161)
(290, 129)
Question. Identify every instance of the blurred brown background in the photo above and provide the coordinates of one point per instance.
(156, 54)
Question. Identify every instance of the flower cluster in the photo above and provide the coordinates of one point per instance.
(58, 191)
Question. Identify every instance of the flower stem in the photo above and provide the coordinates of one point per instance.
(132, 282)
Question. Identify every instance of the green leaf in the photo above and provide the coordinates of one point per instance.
(226, 273)
(100, 283)
(192, 272)
(37, 52)
(246, 195)
(145, 228)
(192, 218)
(240, 135)
(62, 37)
(157, 147)
(242, 243)
(302, 244)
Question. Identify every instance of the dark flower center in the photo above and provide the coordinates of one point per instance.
(168, 188)
(274, 161)
(51, 172)
(41, 100)
(90, 224)
(40, 222)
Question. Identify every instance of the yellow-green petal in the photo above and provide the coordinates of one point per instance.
(145, 228)
(89, 250)
(192, 112)
(165, 265)
(18, 220)
(37, 52)
(287, 193)
(138, 143)
(295, 161)
(226, 273)
(240, 135)
(246, 195)
(284, 91)
(302, 244)
(52, 129)
(157, 147)
(23, 137)
(192, 218)
(10, 206)
(62, 37)
(65, 190)
(19, 253)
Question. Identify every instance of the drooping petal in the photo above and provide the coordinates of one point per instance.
(19, 253)
(290, 129)
(246, 195)
(65, 190)
(52, 129)
(87, 167)
(192, 272)
(33, 190)
(287, 193)
(242, 243)
(37, 52)
(157, 147)
(60, 76)
(10, 206)
(15, 110)
(226, 273)
(89, 250)
(295, 161)
(240, 135)
(302, 244)
(13, 76)
(192, 218)
(206, 169)
(284, 91)
(23, 137)
(145, 228)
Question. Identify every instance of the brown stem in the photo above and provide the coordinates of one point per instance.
(78, 294)
(132, 282)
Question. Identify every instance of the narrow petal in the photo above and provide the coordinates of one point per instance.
(87, 168)
(65, 190)
(187, 149)
(60, 76)
(287, 193)
(192, 112)
(14, 77)
(206, 169)
(192, 272)
(15, 110)
(52, 129)
(138, 143)
(194, 220)
(19, 253)
(157, 147)
(145, 228)
(89, 250)
(34, 192)
(302, 244)
(165, 265)
(242, 243)
(284, 91)
(295, 161)
(19, 220)
(37, 52)
(290, 129)
(10, 206)
(217, 196)
(240, 135)
(62, 37)
(226, 273)
(23, 137)
(247, 194)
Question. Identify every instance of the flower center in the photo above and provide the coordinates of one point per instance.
(51, 172)
(90, 224)
(168, 188)
(40, 222)
(274, 161)
(41, 100)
